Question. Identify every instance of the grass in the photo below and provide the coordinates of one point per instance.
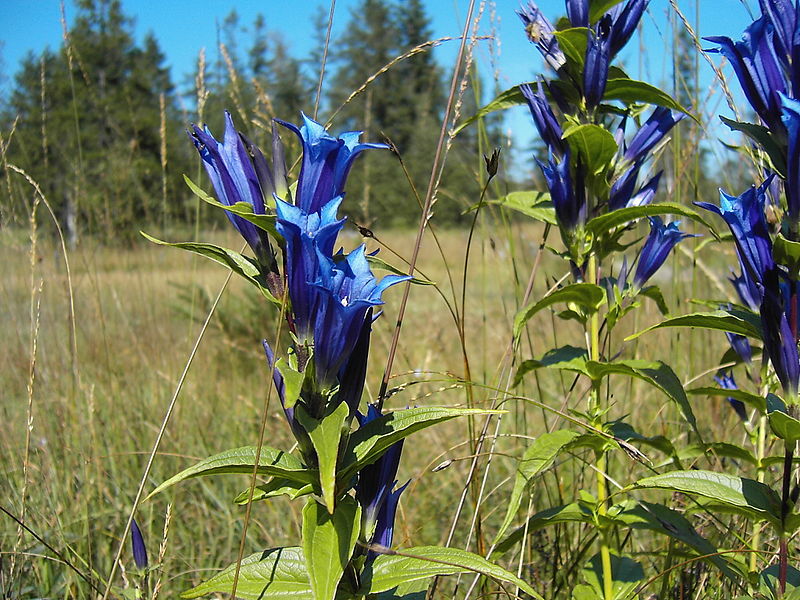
(136, 319)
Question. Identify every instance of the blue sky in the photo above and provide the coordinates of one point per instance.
(182, 27)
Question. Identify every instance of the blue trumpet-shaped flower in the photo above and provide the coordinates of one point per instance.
(791, 120)
(651, 133)
(374, 490)
(354, 372)
(540, 32)
(598, 55)
(139, 549)
(307, 235)
(747, 290)
(234, 177)
(578, 12)
(741, 346)
(726, 381)
(758, 68)
(543, 117)
(571, 208)
(625, 19)
(659, 244)
(346, 289)
(745, 217)
(326, 163)
(782, 16)
(780, 343)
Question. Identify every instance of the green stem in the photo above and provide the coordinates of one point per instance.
(597, 410)
(756, 543)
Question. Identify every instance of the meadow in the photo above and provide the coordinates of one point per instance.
(533, 320)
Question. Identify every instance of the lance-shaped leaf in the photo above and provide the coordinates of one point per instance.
(275, 487)
(242, 460)
(631, 91)
(328, 543)
(369, 442)
(567, 513)
(734, 320)
(425, 562)
(608, 221)
(753, 400)
(656, 373)
(536, 205)
(242, 209)
(595, 144)
(626, 574)
(782, 424)
(537, 458)
(236, 262)
(573, 42)
(761, 136)
(277, 573)
(325, 435)
(566, 358)
(746, 495)
(588, 296)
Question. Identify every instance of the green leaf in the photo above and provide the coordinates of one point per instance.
(611, 220)
(761, 136)
(325, 435)
(787, 253)
(654, 293)
(626, 574)
(510, 97)
(782, 424)
(241, 460)
(537, 458)
(741, 322)
(424, 562)
(277, 573)
(597, 8)
(238, 263)
(587, 295)
(242, 209)
(631, 91)
(413, 590)
(292, 382)
(753, 400)
(573, 42)
(328, 543)
(656, 373)
(379, 263)
(368, 443)
(595, 144)
(536, 205)
(275, 487)
(566, 358)
(568, 513)
(719, 449)
(753, 497)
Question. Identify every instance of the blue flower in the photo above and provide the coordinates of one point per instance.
(791, 120)
(741, 346)
(139, 549)
(571, 208)
(354, 371)
(234, 177)
(780, 343)
(755, 61)
(540, 32)
(326, 163)
(653, 131)
(544, 119)
(578, 12)
(598, 55)
(782, 15)
(374, 491)
(726, 381)
(306, 236)
(747, 290)
(745, 217)
(660, 242)
(346, 289)
(625, 20)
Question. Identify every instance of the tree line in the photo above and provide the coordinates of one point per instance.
(100, 123)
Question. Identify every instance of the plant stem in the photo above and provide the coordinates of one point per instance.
(783, 551)
(756, 543)
(596, 410)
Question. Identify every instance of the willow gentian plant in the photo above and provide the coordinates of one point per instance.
(602, 132)
(347, 460)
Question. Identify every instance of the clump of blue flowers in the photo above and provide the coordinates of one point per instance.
(348, 457)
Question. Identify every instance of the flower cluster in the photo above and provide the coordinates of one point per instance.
(765, 63)
(331, 295)
(580, 187)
